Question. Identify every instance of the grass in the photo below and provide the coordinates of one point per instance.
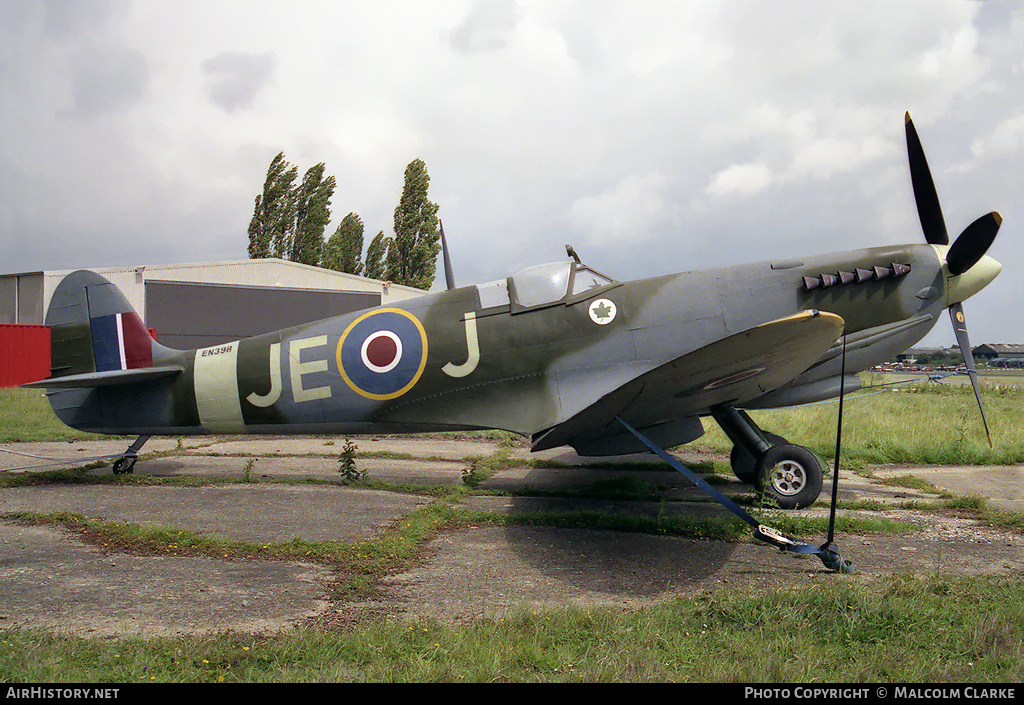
(922, 424)
(900, 629)
(26, 416)
(713, 528)
(78, 476)
(357, 565)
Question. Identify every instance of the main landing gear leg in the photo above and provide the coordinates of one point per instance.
(126, 463)
(789, 474)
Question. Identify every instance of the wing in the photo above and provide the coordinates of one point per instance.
(668, 401)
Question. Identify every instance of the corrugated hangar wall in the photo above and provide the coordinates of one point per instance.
(22, 298)
(189, 315)
(208, 303)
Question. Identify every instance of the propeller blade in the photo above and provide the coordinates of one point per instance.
(973, 242)
(928, 208)
(956, 314)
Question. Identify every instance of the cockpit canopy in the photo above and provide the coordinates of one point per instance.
(544, 285)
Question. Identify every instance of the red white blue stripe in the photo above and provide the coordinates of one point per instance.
(121, 342)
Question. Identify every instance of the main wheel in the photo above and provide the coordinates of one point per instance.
(744, 465)
(791, 475)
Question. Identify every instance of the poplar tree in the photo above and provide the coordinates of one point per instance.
(375, 252)
(412, 254)
(344, 248)
(312, 214)
(272, 217)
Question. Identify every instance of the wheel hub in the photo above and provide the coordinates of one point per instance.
(788, 478)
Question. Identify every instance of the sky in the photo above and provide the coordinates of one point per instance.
(653, 136)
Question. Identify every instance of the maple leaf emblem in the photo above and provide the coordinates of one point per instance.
(602, 311)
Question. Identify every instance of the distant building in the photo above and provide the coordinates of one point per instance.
(909, 357)
(203, 304)
(1001, 354)
(993, 351)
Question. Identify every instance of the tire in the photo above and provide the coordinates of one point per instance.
(744, 465)
(791, 475)
(123, 466)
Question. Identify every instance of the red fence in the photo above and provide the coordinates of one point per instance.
(24, 354)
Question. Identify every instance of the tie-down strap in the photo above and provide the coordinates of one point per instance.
(828, 553)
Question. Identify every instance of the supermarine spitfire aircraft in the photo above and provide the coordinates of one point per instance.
(559, 353)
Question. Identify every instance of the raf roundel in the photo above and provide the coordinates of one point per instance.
(382, 354)
(381, 351)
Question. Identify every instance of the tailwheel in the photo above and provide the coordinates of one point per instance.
(791, 475)
(124, 465)
(744, 464)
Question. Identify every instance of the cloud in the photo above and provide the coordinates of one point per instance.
(703, 127)
(107, 79)
(1007, 138)
(235, 78)
(740, 180)
(81, 18)
(487, 27)
(823, 158)
(636, 206)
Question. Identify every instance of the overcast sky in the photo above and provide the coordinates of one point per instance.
(653, 136)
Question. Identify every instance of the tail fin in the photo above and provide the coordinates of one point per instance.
(96, 337)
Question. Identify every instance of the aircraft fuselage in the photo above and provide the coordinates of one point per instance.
(521, 355)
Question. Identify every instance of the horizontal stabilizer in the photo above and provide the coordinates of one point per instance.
(104, 379)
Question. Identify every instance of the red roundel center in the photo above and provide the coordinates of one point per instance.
(381, 351)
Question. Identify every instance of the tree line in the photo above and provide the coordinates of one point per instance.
(289, 222)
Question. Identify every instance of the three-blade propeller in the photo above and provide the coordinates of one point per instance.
(969, 247)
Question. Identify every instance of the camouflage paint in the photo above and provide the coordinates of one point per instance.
(442, 361)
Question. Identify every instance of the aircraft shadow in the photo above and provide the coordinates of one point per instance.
(619, 562)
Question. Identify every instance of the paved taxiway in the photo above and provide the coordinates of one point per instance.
(51, 579)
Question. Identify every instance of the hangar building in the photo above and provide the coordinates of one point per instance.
(203, 304)
(1001, 354)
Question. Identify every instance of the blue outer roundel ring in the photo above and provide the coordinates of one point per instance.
(404, 345)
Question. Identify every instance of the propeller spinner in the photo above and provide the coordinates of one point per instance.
(968, 267)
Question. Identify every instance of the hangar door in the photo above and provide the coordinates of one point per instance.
(187, 315)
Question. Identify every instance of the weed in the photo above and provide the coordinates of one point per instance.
(481, 467)
(249, 465)
(472, 475)
(347, 463)
(914, 483)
